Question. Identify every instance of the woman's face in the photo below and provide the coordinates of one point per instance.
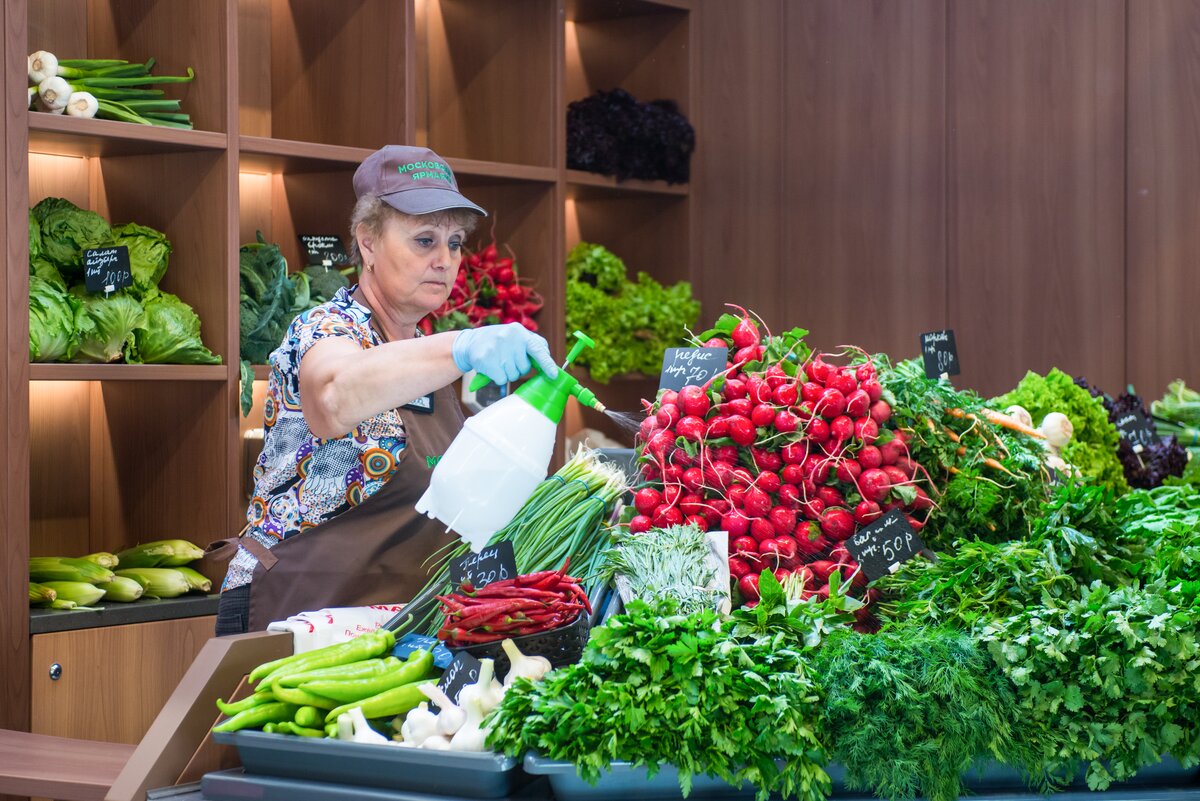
(415, 263)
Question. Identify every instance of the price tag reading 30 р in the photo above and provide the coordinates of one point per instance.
(884, 545)
(493, 563)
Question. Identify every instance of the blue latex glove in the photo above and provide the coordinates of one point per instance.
(502, 352)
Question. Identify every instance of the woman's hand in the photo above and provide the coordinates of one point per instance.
(502, 352)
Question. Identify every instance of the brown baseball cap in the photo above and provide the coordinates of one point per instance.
(414, 180)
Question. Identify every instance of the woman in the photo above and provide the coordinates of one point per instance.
(359, 406)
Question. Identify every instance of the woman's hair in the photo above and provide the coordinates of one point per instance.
(371, 212)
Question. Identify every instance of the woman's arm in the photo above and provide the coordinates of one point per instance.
(342, 384)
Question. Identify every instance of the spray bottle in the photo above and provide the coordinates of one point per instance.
(497, 460)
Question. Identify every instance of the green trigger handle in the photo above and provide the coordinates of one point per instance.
(582, 341)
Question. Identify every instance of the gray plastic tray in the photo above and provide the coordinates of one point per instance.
(413, 770)
(237, 785)
(623, 780)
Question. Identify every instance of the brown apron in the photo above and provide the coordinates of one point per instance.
(372, 553)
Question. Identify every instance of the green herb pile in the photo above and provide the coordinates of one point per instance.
(636, 320)
(670, 562)
(1177, 415)
(1116, 671)
(991, 479)
(138, 324)
(673, 689)
(907, 713)
(1093, 446)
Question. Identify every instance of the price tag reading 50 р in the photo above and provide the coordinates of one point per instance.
(884, 545)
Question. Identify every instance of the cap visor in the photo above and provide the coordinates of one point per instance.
(428, 199)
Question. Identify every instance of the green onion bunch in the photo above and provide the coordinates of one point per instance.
(108, 88)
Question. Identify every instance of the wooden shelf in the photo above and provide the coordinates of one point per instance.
(128, 372)
(60, 135)
(263, 154)
(512, 172)
(577, 179)
(262, 372)
(592, 10)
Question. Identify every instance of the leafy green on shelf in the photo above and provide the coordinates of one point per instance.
(53, 323)
(66, 231)
(149, 252)
(170, 334)
(106, 325)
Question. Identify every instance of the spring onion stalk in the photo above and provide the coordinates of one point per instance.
(122, 95)
(109, 83)
(564, 518)
(181, 121)
(90, 63)
(82, 104)
(112, 110)
(157, 105)
(33, 93)
(54, 94)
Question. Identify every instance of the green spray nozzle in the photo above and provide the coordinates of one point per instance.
(549, 395)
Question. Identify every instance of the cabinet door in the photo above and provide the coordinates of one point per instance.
(114, 680)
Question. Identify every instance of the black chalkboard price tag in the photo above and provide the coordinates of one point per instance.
(411, 642)
(107, 269)
(939, 353)
(493, 563)
(464, 670)
(1135, 429)
(691, 367)
(326, 249)
(881, 547)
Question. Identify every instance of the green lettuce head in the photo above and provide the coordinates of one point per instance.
(106, 325)
(149, 251)
(47, 272)
(35, 237)
(169, 334)
(67, 231)
(52, 322)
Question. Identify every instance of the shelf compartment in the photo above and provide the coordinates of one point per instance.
(137, 30)
(183, 194)
(606, 185)
(641, 47)
(303, 63)
(486, 78)
(114, 463)
(128, 372)
(647, 231)
(265, 155)
(57, 134)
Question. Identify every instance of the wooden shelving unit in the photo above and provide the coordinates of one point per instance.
(290, 96)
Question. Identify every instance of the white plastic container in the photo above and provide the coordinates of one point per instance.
(490, 470)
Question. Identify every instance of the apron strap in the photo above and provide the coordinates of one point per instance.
(226, 549)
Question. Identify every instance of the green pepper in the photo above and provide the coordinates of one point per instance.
(310, 717)
(269, 728)
(396, 701)
(301, 697)
(358, 670)
(229, 710)
(288, 727)
(331, 730)
(258, 716)
(418, 666)
(364, 646)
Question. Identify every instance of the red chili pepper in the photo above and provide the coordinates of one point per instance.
(506, 606)
(532, 579)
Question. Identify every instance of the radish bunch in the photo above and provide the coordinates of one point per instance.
(486, 291)
(789, 454)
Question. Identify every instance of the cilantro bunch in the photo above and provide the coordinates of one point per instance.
(632, 321)
(671, 689)
(907, 713)
(1115, 671)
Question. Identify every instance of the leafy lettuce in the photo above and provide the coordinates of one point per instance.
(52, 322)
(169, 334)
(66, 231)
(149, 252)
(106, 325)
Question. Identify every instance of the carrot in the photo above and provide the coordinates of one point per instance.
(992, 463)
(953, 437)
(1001, 420)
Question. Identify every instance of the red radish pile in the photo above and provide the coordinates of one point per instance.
(788, 454)
(486, 291)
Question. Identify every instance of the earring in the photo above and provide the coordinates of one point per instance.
(370, 267)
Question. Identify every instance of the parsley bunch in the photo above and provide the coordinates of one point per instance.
(674, 689)
(908, 712)
(1115, 671)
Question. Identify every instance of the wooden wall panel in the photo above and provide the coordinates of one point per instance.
(1163, 249)
(863, 217)
(737, 167)
(1036, 184)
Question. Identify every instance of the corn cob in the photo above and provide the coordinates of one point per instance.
(195, 579)
(102, 558)
(121, 589)
(158, 582)
(61, 568)
(78, 592)
(41, 594)
(160, 553)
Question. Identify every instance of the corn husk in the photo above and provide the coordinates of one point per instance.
(121, 589)
(195, 579)
(160, 553)
(102, 558)
(41, 594)
(80, 593)
(158, 582)
(43, 569)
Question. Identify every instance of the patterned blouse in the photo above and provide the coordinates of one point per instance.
(301, 480)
